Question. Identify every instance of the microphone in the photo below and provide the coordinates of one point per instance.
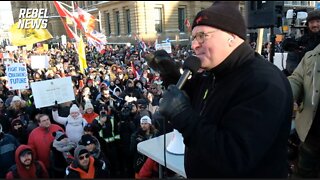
(190, 65)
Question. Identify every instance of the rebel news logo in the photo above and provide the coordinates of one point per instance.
(30, 18)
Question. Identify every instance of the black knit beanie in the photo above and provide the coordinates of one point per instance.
(313, 15)
(224, 15)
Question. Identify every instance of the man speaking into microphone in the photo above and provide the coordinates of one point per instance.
(235, 114)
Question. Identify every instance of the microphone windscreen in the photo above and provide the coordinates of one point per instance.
(192, 63)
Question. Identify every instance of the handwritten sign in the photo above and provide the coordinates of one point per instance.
(17, 76)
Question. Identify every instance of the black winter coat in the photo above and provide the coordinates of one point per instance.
(241, 128)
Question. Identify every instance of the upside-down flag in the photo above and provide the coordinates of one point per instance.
(21, 37)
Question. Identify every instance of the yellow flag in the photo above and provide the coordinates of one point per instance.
(82, 55)
(45, 47)
(21, 37)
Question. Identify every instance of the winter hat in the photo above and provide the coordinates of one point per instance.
(16, 121)
(25, 151)
(16, 98)
(87, 139)
(80, 149)
(145, 119)
(74, 108)
(224, 15)
(88, 127)
(87, 106)
(59, 135)
(313, 15)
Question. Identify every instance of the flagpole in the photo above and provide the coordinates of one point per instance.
(100, 25)
(75, 26)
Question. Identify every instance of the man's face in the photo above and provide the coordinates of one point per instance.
(44, 122)
(210, 45)
(84, 160)
(314, 25)
(91, 147)
(26, 159)
(16, 126)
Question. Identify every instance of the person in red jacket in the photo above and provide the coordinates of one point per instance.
(89, 114)
(26, 166)
(41, 138)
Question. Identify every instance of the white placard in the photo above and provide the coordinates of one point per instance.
(280, 59)
(45, 93)
(17, 76)
(64, 39)
(6, 56)
(165, 46)
(11, 48)
(39, 62)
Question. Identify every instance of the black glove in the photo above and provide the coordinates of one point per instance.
(56, 106)
(173, 102)
(161, 62)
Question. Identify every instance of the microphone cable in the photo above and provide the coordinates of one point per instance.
(164, 147)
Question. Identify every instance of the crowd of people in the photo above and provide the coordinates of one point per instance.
(116, 100)
(234, 115)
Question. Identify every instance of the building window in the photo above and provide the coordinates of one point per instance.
(158, 19)
(117, 23)
(181, 18)
(128, 20)
(108, 25)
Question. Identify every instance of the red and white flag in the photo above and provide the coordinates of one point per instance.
(187, 23)
(85, 19)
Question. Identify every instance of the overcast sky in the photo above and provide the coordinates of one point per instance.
(5, 12)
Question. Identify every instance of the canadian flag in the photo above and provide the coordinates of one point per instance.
(85, 19)
(187, 23)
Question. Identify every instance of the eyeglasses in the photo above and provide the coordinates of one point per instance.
(85, 156)
(200, 36)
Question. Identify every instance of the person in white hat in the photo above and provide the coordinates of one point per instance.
(74, 123)
(144, 132)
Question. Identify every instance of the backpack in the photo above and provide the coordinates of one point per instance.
(16, 174)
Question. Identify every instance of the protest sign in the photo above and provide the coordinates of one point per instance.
(39, 62)
(164, 46)
(45, 93)
(17, 76)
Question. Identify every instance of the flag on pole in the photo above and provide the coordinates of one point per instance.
(85, 19)
(21, 37)
(63, 12)
(82, 55)
(188, 25)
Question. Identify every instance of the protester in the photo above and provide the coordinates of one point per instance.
(40, 139)
(26, 166)
(145, 131)
(235, 114)
(61, 154)
(305, 86)
(74, 123)
(8, 146)
(85, 166)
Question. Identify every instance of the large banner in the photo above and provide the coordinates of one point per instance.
(45, 93)
(17, 76)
